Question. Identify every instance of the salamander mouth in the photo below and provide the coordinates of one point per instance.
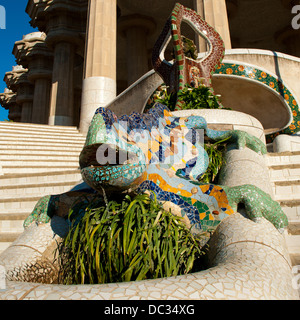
(103, 155)
(106, 166)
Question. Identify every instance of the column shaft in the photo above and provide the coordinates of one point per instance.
(99, 84)
(41, 97)
(26, 116)
(61, 105)
(200, 41)
(215, 13)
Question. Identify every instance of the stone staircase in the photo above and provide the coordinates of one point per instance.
(35, 160)
(284, 169)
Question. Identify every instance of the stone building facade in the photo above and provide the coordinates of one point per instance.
(86, 52)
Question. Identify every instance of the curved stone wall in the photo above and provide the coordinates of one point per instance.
(227, 120)
(248, 261)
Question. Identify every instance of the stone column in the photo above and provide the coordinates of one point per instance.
(8, 101)
(136, 29)
(32, 53)
(99, 84)
(200, 41)
(40, 108)
(17, 81)
(61, 105)
(26, 112)
(64, 22)
(24, 99)
(215, 13)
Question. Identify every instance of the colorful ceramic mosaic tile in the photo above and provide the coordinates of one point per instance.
(274, 83)
(196, 72)
(166, 156)
(186, 70)
(255, 74)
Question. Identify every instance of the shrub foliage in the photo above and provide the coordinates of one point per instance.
(127, 240)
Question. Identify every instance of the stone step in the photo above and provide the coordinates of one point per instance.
(293, 245)
(4, 246)
(7, 158)
(284, 194)
(11, 221)
(36, 190)
(25, 126)
(282, 158)
(43, 177)
(41, 143)
(41, 168)
(14, 214)
(48, 137)
(37, 152)
(16, 148)
(19, 204)
(11, 226)
(289, 190)
(43, 161)
(7, 238)
(292, 209)
(284, 172)
(44, 132)
(294, 227)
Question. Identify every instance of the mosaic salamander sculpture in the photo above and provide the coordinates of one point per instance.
(162, 154)
(158, 152)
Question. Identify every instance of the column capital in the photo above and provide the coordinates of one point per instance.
(31, 52)
(8, 98)
(62, 34)
(42, 11)
(15, 77)
(61, 20)
(17, 81)
(32, 44)
(136, 21)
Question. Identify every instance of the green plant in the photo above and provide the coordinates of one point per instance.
(193, 98)
(127, 240)
(198, 98)
(216, 153)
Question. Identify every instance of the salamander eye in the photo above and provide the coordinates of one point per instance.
(186, 120)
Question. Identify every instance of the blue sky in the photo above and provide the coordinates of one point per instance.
(17, 25)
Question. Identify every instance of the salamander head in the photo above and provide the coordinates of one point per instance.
(109, 159)
(195, 122)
